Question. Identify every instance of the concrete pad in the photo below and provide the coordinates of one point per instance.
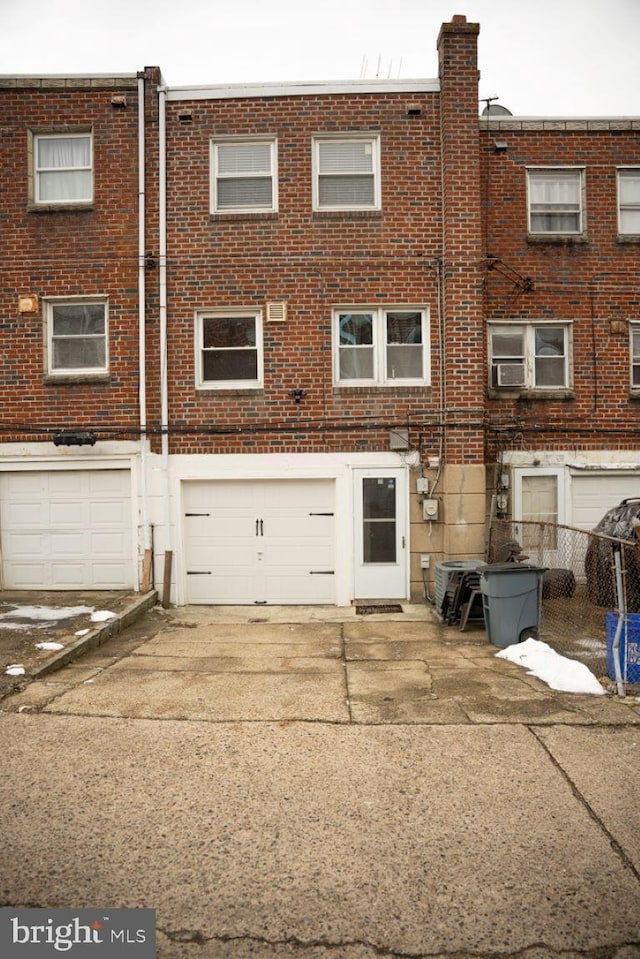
(604, 765)
(381, 692)
(532, 711)
(214, 697)
(324, 634)
(383, 649)
(398, 840)
(194, 650)
(254, 659)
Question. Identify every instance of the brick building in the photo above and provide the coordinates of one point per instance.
(317, 331)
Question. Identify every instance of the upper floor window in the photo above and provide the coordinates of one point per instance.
(529, 355)
(62, 168)
(229, 349)
(634, 334)
(381, 347)
(244, 176)
(629, 201)
(346, 173)
(76, 336)
(556, 200)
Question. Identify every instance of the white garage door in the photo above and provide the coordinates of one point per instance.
(267, 541)
(593, 494)
(68, 529)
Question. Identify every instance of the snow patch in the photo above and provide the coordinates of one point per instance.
(54, 646)
(101, 616)
(556, 671)
(82, 632)
(49, 613)
(16, 669)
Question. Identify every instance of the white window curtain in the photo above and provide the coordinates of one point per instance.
(346, 173)
(629, 193)
(244, 176)
(63, 169)
(554, 198)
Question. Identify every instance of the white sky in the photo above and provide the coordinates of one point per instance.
(551, 57)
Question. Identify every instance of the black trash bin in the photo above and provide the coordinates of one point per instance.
(511, 601)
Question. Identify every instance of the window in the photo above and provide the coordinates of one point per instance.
(539, 499)
(346, 173)
(63, 168)
(629, 201)
(77, 336)
(556, 201)
(381, 346)
(229, 349)
(529, 355)
(634, 333)
(244, 176)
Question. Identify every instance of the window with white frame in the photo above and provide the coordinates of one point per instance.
(539, 499)
(346, 173)
(533, 356)
(629, 201)
(229, 349)
(244, 176)
(634, 350)
(381, 346)
(77, 336)
(556, 200)
(62, 168)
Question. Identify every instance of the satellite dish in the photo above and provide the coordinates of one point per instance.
(495, 110)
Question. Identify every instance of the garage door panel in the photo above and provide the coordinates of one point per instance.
(260, 541)
(593, 495)
(66, 529)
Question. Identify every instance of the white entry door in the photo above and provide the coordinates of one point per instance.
(380, 536)
(259, 541)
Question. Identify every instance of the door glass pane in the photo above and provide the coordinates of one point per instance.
(539, 505)
(379, 519)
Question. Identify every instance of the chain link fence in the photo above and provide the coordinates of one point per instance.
(584, 592)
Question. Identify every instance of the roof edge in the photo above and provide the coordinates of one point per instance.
(231, 91)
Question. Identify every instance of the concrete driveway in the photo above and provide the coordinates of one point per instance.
(312, 783)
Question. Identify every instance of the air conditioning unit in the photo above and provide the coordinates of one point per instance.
(510, 374)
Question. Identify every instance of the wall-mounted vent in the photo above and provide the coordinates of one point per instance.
(510, 374)
(276, 312)
(399, 439)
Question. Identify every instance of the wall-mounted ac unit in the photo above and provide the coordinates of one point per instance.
(510, 374)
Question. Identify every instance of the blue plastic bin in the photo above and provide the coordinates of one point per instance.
(629, 646)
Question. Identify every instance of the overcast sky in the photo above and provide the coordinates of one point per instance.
(540, 57)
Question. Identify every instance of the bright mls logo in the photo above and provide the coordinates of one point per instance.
(78, 933)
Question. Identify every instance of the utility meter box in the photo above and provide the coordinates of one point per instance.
(430, 509)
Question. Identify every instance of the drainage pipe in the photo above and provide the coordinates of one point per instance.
(164, 389)
(142, 309)
(622, 619)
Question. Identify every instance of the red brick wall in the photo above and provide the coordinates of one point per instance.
(595, 283)
(69, 253)
(313, 261)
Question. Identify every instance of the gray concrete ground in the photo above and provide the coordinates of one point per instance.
(288, 782)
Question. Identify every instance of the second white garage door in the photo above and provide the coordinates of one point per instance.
(593, 494)
(259, 541)
(66, 529)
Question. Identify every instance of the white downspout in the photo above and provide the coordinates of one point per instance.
(164, 391)
(142, 308)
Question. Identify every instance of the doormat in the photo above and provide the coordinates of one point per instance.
(368, 610)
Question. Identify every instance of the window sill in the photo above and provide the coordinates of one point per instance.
(379, 387)
(634, 396)
(209, 390)
(628, 238)
(58, 207)
(515, 393)
(243, 217)
(558, 239)
(66, 379)
(347, 215)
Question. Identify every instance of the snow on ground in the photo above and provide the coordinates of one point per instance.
(53, 646)
(16, 669)
(49, 613)
(555, 670)
(101, 616)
